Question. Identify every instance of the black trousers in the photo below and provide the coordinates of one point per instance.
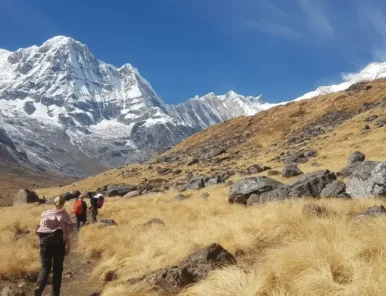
(80, 220)
(52, 256)
(94, 213)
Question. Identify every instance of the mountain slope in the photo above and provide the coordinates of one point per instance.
(333, 125)
(73, 114)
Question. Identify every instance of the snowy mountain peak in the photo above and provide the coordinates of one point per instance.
(57, 100)
(371, 72)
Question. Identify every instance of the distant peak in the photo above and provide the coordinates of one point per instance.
(4, 51)
(59, 40)
(231, 93)
(127, 67)
(64, 41)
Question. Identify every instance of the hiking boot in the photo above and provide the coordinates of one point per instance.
(38, 291)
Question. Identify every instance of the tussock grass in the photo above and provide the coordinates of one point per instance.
(18, 242)
(285, 252)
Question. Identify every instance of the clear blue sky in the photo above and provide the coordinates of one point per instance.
(280, 48)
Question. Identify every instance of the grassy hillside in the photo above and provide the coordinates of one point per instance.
(280, 249)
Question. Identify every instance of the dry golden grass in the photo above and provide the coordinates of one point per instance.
(18, 248)
(286, 251)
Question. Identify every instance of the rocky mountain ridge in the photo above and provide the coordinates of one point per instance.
(74, 114)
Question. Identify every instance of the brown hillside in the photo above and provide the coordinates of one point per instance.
(333, 125)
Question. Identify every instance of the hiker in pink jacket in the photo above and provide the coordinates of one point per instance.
(54, 230)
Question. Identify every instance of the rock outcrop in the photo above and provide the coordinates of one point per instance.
(308, 185)
(368, 180)
(336, 188)
(25, 196)
(120, 189)
(291, 170)
(243, 189)
(192, 269)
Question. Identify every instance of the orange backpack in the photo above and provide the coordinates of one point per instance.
(77, 208)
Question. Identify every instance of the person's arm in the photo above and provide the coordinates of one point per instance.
(68, 247)
(37, 228)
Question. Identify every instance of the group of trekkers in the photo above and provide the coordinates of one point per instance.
(54, 232)
(80, 208)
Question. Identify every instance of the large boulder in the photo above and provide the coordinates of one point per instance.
(24, 196)
(301, 156)
(132, 194)
(218, 179)
(243, 189)
(356, 157)
(308, 185)
(291, 170)
(196, 183)
(120, 189)
(368, 180)
(192, 269)
(336, 188)
(71, 195)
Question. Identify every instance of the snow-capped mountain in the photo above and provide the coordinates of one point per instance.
(371, 72)
(69, 112)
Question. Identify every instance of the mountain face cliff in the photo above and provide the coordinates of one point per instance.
(67, 112)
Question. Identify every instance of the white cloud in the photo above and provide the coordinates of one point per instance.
(317, 17)
(273, 28)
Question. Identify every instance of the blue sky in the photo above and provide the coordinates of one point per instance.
(280, 48)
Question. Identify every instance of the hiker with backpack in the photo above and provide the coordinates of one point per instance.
(80, 210)
(96, 202)
(53, 231)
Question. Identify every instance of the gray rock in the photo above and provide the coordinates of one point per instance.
(205, 195)
(357, 166)
(255, 169)
(371, 118)
(291, 170)
(180, 197)
(301, 156)
(356, 157)
(107, 222)
(71, 195)
(366, 127)
(373, 211)
(154, 221)
(24, 196)
(196, 183)
(193, 162)
(243, 189)
(308, 185)
(120, 189)
(132, 194)
(214, 181)
(192, 269)
(164, 171)
(368, 180)
(334, 189)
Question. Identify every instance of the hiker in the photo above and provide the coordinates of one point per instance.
(80, 210)
(96, 202)
(54, 230)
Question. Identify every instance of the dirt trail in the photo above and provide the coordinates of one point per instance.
(76, 274)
